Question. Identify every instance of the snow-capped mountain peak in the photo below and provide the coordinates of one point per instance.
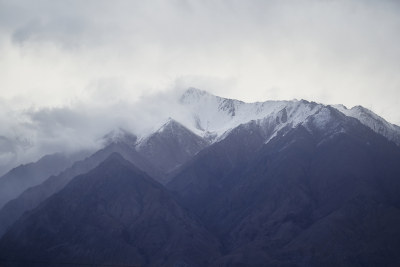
(373, 121)
(212, 117)
(215, 116)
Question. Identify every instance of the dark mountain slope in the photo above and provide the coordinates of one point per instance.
(32, 197)
(321, 194)
(24, 176)
(115, 214)
(213, 170)
(295, 195)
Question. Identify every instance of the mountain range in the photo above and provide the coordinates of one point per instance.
(275, 183)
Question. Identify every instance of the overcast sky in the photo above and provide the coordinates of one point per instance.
(72, 55)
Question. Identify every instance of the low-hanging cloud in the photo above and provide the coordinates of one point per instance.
(34, 132)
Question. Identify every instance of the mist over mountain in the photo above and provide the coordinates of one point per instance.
(34, 132)
(210, 181)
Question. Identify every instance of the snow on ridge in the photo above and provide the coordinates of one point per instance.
(373, 121)
(217, 116)
(212, 117)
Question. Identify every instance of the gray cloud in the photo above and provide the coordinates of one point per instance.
(34, 132)
(64, 31)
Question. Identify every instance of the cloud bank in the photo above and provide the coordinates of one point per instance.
(34, 132)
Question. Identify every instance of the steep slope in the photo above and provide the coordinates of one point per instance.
(322, 194)
(33, 196)
(22, 177)
(115, 214)
(208, 174)
(314, 195)
(170, 146)
(373, 121)
(218, 166)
